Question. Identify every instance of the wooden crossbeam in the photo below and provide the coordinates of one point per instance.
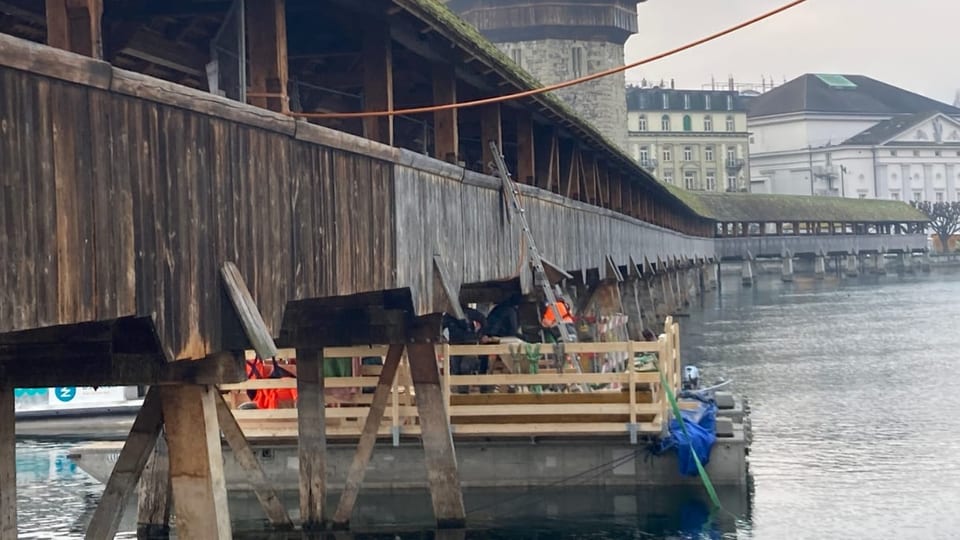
(126, 472)
(368, 437)
(247, 460)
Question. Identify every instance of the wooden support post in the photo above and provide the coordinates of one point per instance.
(377, 62)
(526, 151)
(75, 25)
(616, 191)
(603, 184)
(247, 460)
(312, 441)
(446, 128)
(490, 130)
(442, 474)
(588, 173)
(129, 466)
(8, 466)
(267, 44)
(545, 155)
(368, 437)
(153, 504)
(196, 462)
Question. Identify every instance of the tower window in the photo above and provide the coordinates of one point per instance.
(577, 62)
(665, 122)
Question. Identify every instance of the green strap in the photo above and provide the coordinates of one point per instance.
(676, 412)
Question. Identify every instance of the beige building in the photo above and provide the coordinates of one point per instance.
(695, 139)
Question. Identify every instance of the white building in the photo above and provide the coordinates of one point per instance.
(853, 136)
(695, 139)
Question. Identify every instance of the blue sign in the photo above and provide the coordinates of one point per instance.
(65, 393)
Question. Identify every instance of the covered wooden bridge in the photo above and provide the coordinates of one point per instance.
(147, 144)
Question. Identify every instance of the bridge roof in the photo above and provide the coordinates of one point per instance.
(763, 208)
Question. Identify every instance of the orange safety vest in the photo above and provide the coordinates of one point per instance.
(268, 398)
(548, 319)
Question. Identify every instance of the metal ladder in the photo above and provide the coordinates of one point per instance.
(540, 275)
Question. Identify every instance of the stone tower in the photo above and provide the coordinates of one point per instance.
(559, 40)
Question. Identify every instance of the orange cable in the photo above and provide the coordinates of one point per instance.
(558, 86)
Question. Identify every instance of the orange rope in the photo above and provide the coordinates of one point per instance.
(558, 86)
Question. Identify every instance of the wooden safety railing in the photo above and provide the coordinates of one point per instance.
(540, 397)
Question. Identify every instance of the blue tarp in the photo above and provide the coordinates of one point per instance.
(701, 424)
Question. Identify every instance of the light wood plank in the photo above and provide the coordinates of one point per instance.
(368, 438)
(126, 472)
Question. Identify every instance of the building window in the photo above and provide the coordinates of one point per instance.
(731, 126)
(939, 196)
(708, 153)
(916, 153)
(711, 181)
(917, 196)
(517, 56)
(895, 195)
(936, 153)
(576, 62)
(666, 101)
(729, 103)
(688, 153)
(707, 123)
(643, 122)
(731, 154)
(665, 122)
(687, 123)
(667, 155)
(689, 180)
(706, 102)
(893, 153)
(644, 155)
(668, 177)
(731, 183)
(686, 102)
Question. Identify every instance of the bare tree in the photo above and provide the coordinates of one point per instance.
(944, 219)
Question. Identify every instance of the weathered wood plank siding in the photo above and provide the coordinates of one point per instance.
(442, 210)
(112, 205)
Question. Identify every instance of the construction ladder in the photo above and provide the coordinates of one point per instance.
(540, 275)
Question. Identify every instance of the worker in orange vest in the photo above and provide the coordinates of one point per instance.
(549, 321)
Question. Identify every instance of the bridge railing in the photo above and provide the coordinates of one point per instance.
(528, 392)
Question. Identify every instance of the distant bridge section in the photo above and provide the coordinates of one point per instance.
(774, 246)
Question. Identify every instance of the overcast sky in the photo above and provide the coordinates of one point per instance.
(913, 44)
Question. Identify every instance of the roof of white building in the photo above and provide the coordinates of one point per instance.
(886, 131)
(843, 94)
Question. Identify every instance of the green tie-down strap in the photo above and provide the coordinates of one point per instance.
(676, 412)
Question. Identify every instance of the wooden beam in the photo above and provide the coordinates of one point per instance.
(568, 169)
(377, 80)
(452, 299)
(267, 46)
(603, 184)
(526, 149)
(75, 25)
(156, 498)
(8, 465)
(126, 472)
(491, 129)
(441, 460)
(243, 454)
(616, 191)
(196, 462)
(589, 171)
(446, 129)
(368, 438)
(247, 311)
(312, 438)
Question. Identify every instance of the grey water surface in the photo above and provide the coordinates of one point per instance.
(851, 388)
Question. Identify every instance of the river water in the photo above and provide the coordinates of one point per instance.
(851, 388)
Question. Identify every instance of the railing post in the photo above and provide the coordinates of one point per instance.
(632, 381)
(446, 379)
(395, 405)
